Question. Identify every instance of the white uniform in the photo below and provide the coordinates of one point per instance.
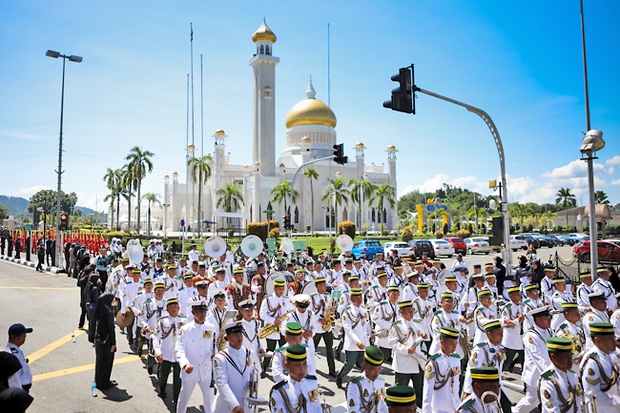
(356, 327)
(485, 354)
(165, 337)
(592, 316)
(536, 359)
(443, 319)
(576, 330)
(600, 372)
(471, 404)
(231, 372)
(402, 337)
(441, 384)
(423, 311)
(606, 287)
(582, 296)
(271, 308)
(513, 336)
(557, 386)
(362, 393)
(410, 292)
(277, 364)
(547, 289)
(289, 392)
(171, 287)
(482, 316)
(251, 340)
(185, 295)
(529, 305)
(23, 376)
(384, 315)
(306, 319)
(195, 346)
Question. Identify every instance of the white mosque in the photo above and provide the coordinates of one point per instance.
(311, 134)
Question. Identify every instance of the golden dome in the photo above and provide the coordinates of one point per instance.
(220, 132)
(305, 139)
(359, 145)
(310, 112)
(264, 33)
(391, 147)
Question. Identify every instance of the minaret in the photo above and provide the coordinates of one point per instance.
(392, 213)
(264, 64)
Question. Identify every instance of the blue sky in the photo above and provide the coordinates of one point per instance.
(520, 61)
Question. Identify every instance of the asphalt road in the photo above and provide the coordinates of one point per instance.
(63, 369)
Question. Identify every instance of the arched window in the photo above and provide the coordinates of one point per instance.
(296, 210)
(267, 52)
(262, 49)
(345, 214)
(267, 92)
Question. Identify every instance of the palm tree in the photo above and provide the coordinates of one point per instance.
(140, 164)
(201, 167)
(311, 174)
(127, 182)
(282, 191)
(337, 191)
(230, 198)
(566, 199)
(600, 197)
(113, 179)
(361, 190)
(519, 211)
(151, 198)
(384, 193)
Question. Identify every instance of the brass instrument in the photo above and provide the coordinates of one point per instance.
(220, 343)
(492, 407)
(464, 342)
(269, 329)
(588, 401)
(253, 400)
(325, 408)
(329, 317)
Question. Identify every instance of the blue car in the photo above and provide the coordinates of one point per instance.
(370, 247)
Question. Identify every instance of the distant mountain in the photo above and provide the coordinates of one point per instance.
(19, 206)
(85, 211)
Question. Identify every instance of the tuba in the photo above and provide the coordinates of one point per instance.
(215, 247)
(588, 402)
(287, 246)
(135, 251)
(251, 246)
(494, 406)
(344, 242)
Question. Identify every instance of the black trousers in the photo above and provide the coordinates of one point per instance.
(354, 358)
(40, 264)
(104, 361)
(271, 346)
(103, 276)
(162, 376)
(328, 339)
(417, 382)
(82, 315)
(513, 357)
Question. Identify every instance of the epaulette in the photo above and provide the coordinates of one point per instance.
(277, 386)
(313, 294)
(437, 312)
(310, 377)
(527, 300)
(182, 315)
(482, 344)
(346, 308)
(148, 300)
(455, 355)
(356, 379)
(280, 349)
(416, 320)
(395, 322)
(181, 289)
(571, 370)
(454, 312)
(13, 350)
(593, 355)
(435, 356)
(563, 325)
(466, 404)
(508, 305)
(383, 302)
(304, 345)
(547, 374)
(163, 316)
(375, 286)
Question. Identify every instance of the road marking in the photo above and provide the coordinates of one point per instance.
(52, 346)
(79, 369)
(37, 288)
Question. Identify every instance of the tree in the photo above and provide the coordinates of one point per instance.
(139, 164)
(361, 190)
(337, 192)
(230, 198)
(566, 199)
(47, 199)
(151, 198)
(127, 182)
(114, 182)
(311, 174)
(282, 191)
(4, 212)
(384, 192)
(202, 167)
(600, 197)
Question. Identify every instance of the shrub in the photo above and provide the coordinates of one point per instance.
(463, 233)
(259, 229)
(438, 234)
(274, 233)
(406, 235)
(347, 227)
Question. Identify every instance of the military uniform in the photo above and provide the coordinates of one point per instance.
(405, 335)
(513, 336)
(559, 391)
(277, 365)
(384, 315)
(604, 286)
(271, 309)
(443, 319)
(293, 393)
(164, 341)
(441, 384)
(366, 396)
(592, 316)
(356, 330)
(319, 304)
(232, 369)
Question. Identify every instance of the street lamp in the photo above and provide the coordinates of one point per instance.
(76, 59)
(592, 143)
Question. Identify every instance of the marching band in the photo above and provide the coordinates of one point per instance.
(232, 318)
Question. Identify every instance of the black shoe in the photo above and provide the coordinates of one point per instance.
(332, 373)
(139, 352)
(113, 383)
(339, 382)
(263, 375)
(163, 395)
(150, 369)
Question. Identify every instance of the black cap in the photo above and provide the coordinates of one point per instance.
(18, 329)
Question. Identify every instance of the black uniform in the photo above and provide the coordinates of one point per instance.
(103, 335)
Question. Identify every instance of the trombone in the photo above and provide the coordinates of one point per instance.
(494, 406)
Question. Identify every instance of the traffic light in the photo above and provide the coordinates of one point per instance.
(287, 222)
(402, 97)
(64, 222)
(338, 152)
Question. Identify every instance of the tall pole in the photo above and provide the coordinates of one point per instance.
(590, 158)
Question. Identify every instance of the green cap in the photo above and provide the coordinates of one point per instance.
(295, 353)
(400, 396)
(601, 329)
(557, 344)
(484, 374)
(448, 332)
(293, 329)
(373, 355)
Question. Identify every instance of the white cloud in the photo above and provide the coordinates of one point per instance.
(613, 161)
(28, 192)
(615, 182)
(21, 136)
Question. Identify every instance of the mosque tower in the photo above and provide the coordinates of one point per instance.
(264, 65)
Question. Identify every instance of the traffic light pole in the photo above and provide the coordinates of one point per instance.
(502, 164)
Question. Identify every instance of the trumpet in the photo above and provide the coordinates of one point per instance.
(269, 329)
(588, 402)
(494, 406)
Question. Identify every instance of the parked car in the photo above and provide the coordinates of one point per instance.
(529, 239)
(544, 240)
(477, 245)
(402, 248)
(517, 243)
(562, 240)
(370, 247)
(578, 236)
(459, 245)
(442, 247)
(607, 251)
(422, 246)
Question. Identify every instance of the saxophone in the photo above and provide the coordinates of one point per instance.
(269, 329)
(329, 316)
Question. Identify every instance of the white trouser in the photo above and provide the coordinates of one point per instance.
(528, 403)
(187, 387)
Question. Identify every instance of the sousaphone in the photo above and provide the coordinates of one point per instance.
(344, 242)
(309, 288)
(251, 246)
(135, 252)
(215, 247)
(287, 246)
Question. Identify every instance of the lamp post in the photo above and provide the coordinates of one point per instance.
(77, 59)
(592, 143)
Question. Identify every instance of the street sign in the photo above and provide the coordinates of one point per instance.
(28, 227)
(182, 222)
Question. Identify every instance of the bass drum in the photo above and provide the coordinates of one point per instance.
(269, 282)
(441, 276)
(309, 288)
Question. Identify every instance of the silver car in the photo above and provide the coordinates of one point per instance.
(402, 248)
(477, 245)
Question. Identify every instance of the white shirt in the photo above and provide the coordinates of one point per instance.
(194, 346)
(231, 372)
(23, 376)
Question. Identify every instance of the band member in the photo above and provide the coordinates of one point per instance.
(483, 314)
(532, 302)
(583, 290)
(295, 287)
(410, 290)
(441, 384)
(324, 324)
(272, 310)
(356, 334)
(405, 338)
(489, 353)
(237, 289)
(193, 352)
(299, 389)
(216, 316)
(293, 336)
(597, 314)
(378, 292)
(600, 368)
(423, 311)
(258, 284)
(572, 328)
(559, 389)
(186, 293)
(304, 318)
(484, 379)
(384, 315)
(250, 331)
(603, 285)
(366, 392)
(400, 399)
(536, 357)
(164, 341)
(547, 288)
(513, 336)
(446, 317)
(232, 372)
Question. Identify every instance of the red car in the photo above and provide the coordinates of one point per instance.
(607, 251)
(458, 244)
